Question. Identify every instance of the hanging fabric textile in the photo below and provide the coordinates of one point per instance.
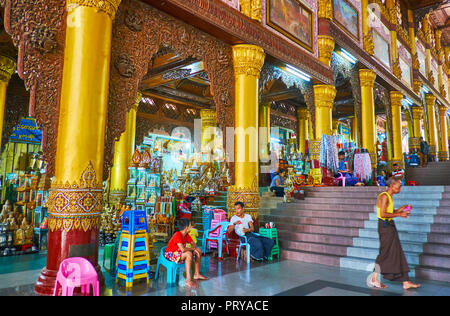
(328, 153)
(362, 165)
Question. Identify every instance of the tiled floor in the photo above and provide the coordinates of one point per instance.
(292, 278)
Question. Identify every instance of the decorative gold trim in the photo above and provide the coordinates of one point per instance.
(248, 60)
(252, 9)
(7, 68)
(314, 149)
(417, 84)
(107, 6)
(384, 11)
(404, 35)
(368, 43)
(415, 62)
(396, 69)
(78, 205)
(430, 77)
(247, 195)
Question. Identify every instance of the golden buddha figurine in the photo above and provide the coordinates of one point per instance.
(19, 237)
(28, 231)
(11, 221)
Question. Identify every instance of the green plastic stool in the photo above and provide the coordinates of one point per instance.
(108, 253)
(271, 233)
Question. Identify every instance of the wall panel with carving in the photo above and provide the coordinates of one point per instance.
(232, 3)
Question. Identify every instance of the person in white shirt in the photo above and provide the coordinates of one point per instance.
(260, 247)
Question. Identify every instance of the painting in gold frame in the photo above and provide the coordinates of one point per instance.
(347, 17)
(292, 19)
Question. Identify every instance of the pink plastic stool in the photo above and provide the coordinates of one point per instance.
(219, 215)
(341, 178)
(76, 272)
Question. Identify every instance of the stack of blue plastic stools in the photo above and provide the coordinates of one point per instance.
(133, 258)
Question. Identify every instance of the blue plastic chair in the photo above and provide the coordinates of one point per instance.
(222, 227)
(243, 244)
(171, 267)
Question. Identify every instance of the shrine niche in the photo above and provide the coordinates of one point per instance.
(139, 32)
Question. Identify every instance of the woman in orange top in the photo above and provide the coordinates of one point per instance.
(176, 251)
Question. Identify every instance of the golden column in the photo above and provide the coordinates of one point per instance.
(369, 127)
(432, 133)
(443, 139)
(76, 196)
(324, 98)
(7, 68)
(303, 128)
(209, 123)
(123, 151)
(396, 104)
(441, 60)
(427, 32)
(248, 61)
(416, 63)
(131, 120)
(264, 124)
(367, 31)
(417, 115)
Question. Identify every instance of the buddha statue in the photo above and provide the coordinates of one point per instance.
(28, 230)
(11, 221)
(19, 237)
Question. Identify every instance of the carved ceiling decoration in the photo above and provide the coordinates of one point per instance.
(139, 45)
(37, 29)
(276, 120)
(148, 105)
(440, 17)
(269, 73)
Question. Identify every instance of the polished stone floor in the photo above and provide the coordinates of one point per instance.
(291, 278)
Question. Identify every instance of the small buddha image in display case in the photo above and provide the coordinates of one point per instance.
(133, 175)
(141, 180)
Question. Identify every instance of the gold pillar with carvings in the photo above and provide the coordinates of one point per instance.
(7, 68)
(427, 32)
(417, 116)
(325, 9)
(252, 9)
(396, 105)
(324, 98)
(397, 71)
(442, 88)
(76, 195)
(367, 31)
(369, 129)
(123, 152)
(303, 128)
(443, 137)
(248, 61)
(432, 128)
(326, 47)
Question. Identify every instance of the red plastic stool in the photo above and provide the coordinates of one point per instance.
(411, 183)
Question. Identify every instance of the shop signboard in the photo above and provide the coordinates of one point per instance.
(26, 131)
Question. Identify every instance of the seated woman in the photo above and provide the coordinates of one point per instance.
(177, 252)
(277, 184)
(350, 180)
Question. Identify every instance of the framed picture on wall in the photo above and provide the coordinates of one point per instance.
(292, 19)
(382, 49)
(347, 17)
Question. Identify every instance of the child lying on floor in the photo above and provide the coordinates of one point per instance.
(177, 252)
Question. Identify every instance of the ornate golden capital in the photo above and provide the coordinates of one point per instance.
(368, 42)
(326, 47)
(107, 6)
(367, 77)
(396, 69)
(303, 114)
(430, 99)
(248, 60)
(396, 98)
(78, 205)
(417, 112)
(7, 68)
(138, 101)
(443, 111)
(442, 91)
(325, 9)
(324, 95)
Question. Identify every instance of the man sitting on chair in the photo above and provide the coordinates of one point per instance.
(260, 247)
